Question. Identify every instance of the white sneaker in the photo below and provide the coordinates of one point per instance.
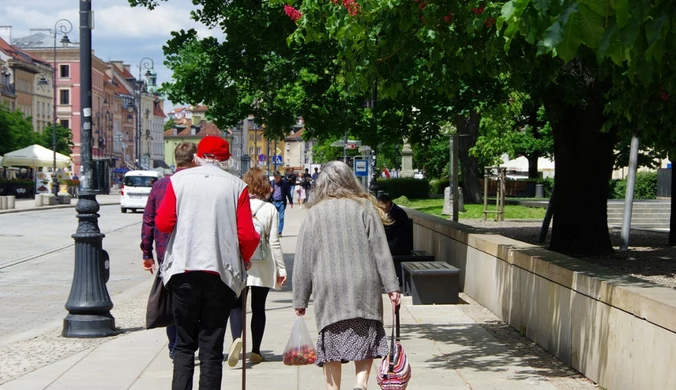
(234, 352)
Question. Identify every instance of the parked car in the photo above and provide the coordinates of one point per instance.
(135, 189)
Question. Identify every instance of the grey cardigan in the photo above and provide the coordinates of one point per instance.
(343, 260)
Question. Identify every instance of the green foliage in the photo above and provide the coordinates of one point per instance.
(433, 156)
(168, 125)
(409, 187)
(437, 186)
(474, 211)
(547, 185)
(402, 201)
(645, 187)
(16, 131)
(64, 139)
(617, 189)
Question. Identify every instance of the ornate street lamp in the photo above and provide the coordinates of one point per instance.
(89, 303)
(63, 27)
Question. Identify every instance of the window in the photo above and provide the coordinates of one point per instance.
(65, 123)
(235, 140)
(64, 71)
(64, 96)
(236, 152)
(258, 151)
(251, 137)
(251, 149)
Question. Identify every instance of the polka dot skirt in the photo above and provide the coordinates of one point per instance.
(351, 340)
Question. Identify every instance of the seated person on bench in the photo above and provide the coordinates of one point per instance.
(399, 234)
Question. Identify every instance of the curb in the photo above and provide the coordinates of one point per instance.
(60, 206)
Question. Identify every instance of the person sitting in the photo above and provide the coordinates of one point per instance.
(399, 234)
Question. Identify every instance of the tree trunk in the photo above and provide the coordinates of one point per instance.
(468, 129)
(672, 217)
(584, 161)
(533, 165)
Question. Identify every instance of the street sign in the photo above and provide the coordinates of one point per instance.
(277, 160)
(173, 167)
(262, 157)
(361, 168)
(278, 151)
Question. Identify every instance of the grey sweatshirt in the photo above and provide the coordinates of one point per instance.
(343, 260)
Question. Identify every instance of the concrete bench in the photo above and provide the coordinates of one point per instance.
(431, 282)
(399, 260)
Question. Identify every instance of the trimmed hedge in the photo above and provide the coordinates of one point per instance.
(644, 188)
(409, 187)
(437, 186)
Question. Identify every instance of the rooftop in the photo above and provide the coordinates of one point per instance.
(39, 41)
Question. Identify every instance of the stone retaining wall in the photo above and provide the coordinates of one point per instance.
(617, 330)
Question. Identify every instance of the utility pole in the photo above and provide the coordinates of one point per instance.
(89, 303)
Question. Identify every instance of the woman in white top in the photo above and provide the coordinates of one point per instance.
(267, 273)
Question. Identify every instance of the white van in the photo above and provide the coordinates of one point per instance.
(135, 189)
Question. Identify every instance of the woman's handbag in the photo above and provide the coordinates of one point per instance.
(394, 372)
(159, 312)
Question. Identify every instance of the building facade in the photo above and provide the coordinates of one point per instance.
(190, 125)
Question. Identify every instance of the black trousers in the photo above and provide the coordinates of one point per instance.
(201, 305)
(258, 297)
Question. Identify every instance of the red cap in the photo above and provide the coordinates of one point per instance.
(213, 147)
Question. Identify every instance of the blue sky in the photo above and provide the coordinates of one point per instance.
(121, 32)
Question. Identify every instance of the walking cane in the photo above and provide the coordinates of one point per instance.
(244, 338)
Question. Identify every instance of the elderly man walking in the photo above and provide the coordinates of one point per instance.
(208, 214)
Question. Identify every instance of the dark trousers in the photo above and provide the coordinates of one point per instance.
(201, 305)
(258, 297)
(171, 335)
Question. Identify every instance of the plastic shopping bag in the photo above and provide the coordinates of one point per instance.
(299, 350)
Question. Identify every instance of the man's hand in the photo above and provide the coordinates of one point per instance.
(149, 265)
(281, 280)
(395, 297)
(247, 266)
(300, 312)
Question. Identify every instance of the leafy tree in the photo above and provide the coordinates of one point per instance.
(168, 125)
(516, 128)
(64, 139)
(16, 131)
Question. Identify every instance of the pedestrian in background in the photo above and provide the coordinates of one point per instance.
(183, 154)
(264, 274)
(280, 195)
(291, 178)
(343, 261)
(307, 185)
(208, 214)
(300, 190)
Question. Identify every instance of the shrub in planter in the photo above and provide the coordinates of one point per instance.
(409, 187)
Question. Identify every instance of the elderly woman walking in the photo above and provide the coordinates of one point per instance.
(343, 260)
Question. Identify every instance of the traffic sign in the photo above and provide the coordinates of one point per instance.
(173, 167)
(278, 151)
(277, 160)
(262, 157)
(361, 168)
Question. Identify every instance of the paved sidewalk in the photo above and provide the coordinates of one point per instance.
(446, 348)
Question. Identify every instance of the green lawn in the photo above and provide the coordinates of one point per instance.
(473, 211)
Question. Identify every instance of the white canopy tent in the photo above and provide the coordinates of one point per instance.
(521, 164)
(35, 156)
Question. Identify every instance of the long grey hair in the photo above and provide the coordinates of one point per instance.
(336, 180)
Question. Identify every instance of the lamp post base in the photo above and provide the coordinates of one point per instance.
(88, 325)
(89, 303)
